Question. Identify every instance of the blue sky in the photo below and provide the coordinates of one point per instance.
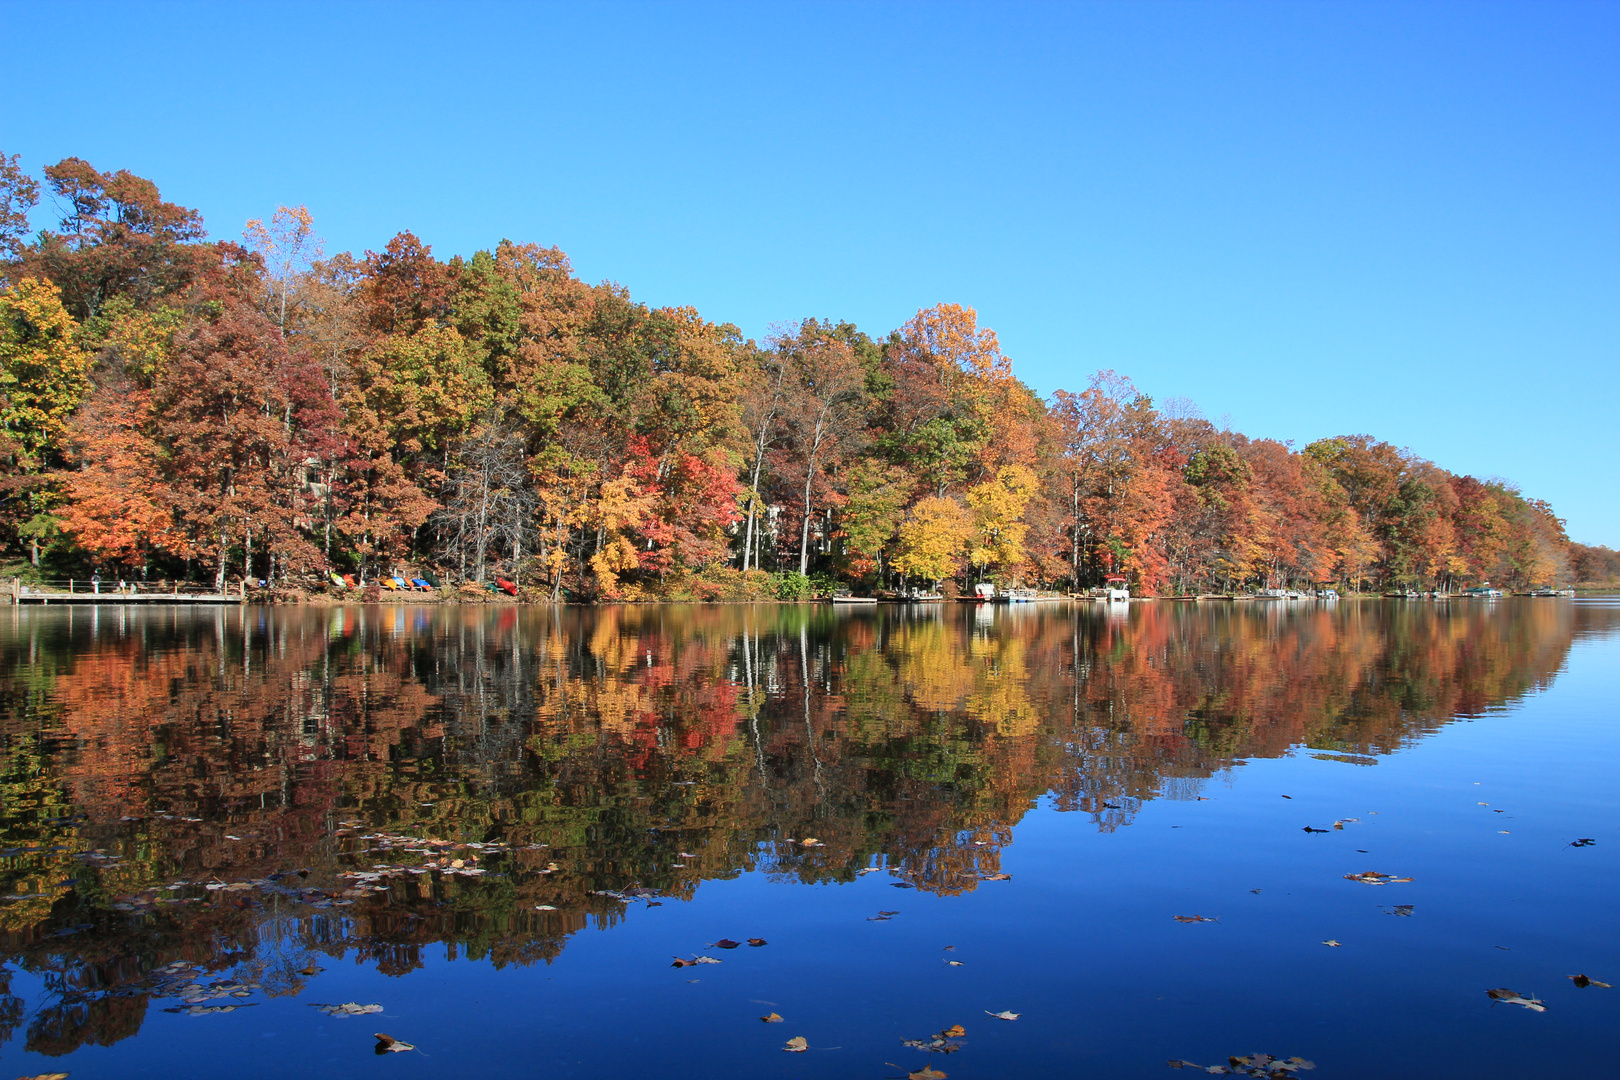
(1309, 218)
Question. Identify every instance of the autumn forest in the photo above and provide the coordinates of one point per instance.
(175, 406)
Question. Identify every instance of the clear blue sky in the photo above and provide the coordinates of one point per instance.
(1309, 218)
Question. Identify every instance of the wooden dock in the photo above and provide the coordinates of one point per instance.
(85, 593)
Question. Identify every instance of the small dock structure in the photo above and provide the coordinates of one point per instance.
(82, 592)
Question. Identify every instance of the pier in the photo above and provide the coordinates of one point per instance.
(81, 592)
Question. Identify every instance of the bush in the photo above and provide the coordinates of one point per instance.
(790, 585)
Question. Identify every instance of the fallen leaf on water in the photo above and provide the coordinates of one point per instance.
(1192, 918)
(771, 1019)
(723, 943)
(387, 1044)
(904, 885)
(811, 841)
(310, 970)
(1309, 829)
(1342, 822)
(348, 1008)
(797, 1045)
(756, 942)
(995, 877)
(954, 963)
(1373, 877)
(1484, 804)
(1288, 796)
(1503, 994)
(945, 1042)
(64, 1076)
(1585, 841)
(1584, 981)
(1261, 1065)
(924, 1073)
(1400, 909)
(1003, 1015)
(679, 962)
(1333, 943)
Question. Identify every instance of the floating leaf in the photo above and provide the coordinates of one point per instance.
(1585, 841)
(1583, 982)
(723, 943)
(1509, 997)
(811, 841)
(1309, 829)
(756, 942)
(1003, 1015)
(771, 1019)
(945, 1042)
(64, 1076)
(348, 1008)
(995, 877)
(797, 1045)
(1333, 943)
(1191, 918)
(954, 963)
(544, 907)
(1258, 1065)
(924, 1073)
(1400, 909)
(387, 1044)
(1373, 877)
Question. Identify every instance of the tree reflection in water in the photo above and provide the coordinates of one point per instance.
(592, 752)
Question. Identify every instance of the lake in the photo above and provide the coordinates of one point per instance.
(1155, 833)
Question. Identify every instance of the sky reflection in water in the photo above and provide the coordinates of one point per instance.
(641, 781)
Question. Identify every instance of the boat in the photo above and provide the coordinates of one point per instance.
(846, 598)
(1118, 589)
(1550, 591)
(1483, 592)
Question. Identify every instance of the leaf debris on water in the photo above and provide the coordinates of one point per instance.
(773, 1018)
(882, 916)
(1585, 841)
(723, 943)
(681, 962)
(1510, 997)
(387, 1044)
(348, 1008)
(1253, 1065)
(1193, 918)
(954, 963)
(756, 942)
(1335, 944)
(945, 1042)
(1400, 909)
(797, 1045)
(1583, 981)
(1003, 1015)
(1373, 877)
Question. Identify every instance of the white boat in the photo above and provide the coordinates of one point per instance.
(847, 599)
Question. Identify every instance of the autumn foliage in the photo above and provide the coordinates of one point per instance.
(177, 407)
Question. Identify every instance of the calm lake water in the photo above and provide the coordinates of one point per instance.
(501, 825)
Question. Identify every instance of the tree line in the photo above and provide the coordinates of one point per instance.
(175, 406)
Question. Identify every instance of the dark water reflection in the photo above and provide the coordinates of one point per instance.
(259, 792)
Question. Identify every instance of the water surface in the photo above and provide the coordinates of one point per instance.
(502, 824)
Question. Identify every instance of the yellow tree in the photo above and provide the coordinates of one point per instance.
(932, 538)
(998, 509)
(43, 374)
(43, 377)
